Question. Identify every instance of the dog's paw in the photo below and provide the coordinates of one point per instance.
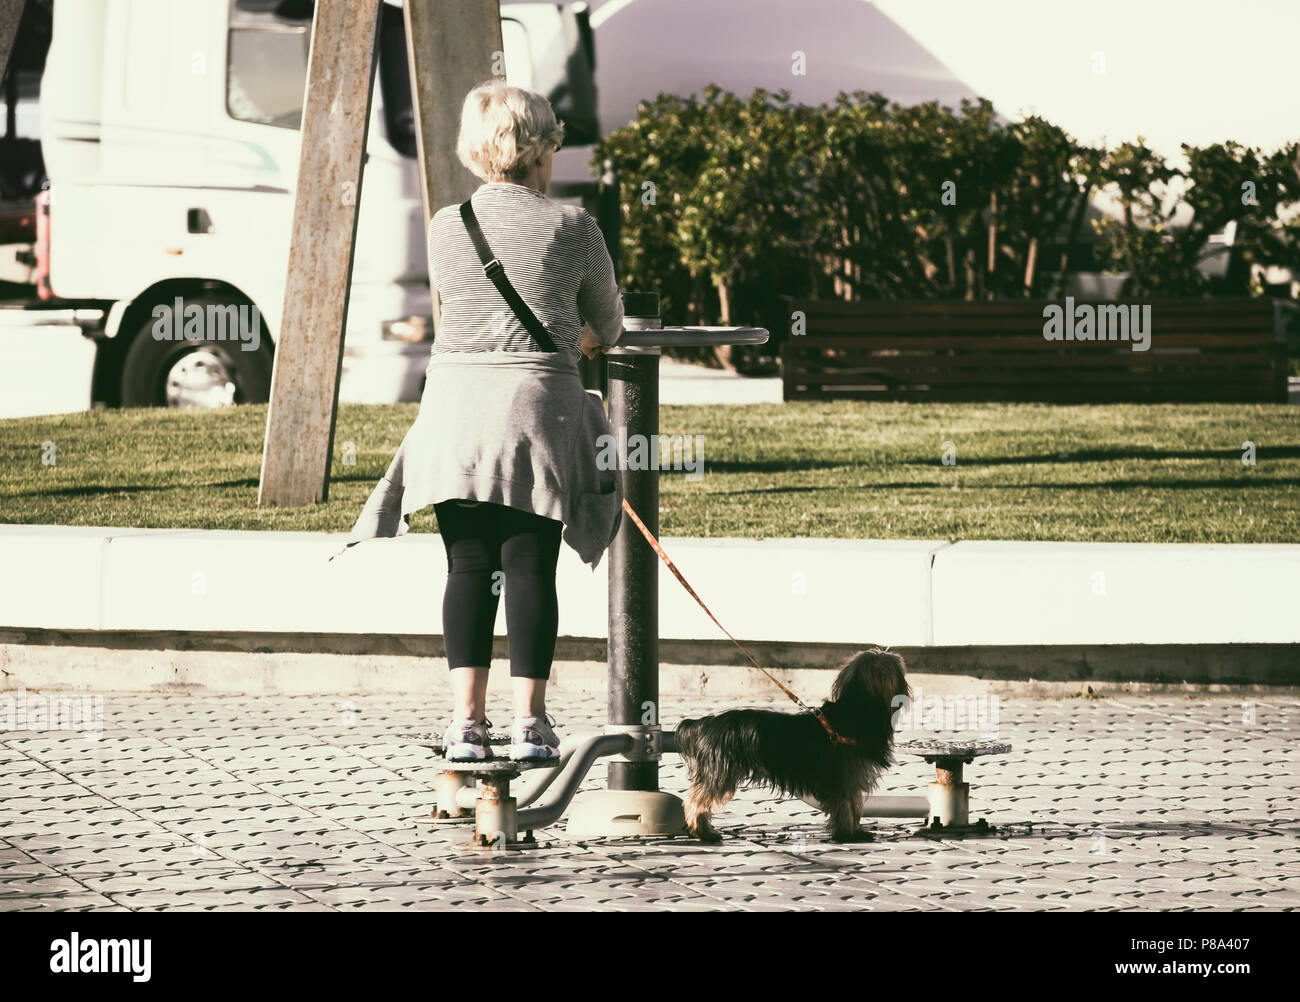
(856, 835)
(707, 834)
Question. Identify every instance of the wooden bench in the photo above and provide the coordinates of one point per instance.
(1229, 350)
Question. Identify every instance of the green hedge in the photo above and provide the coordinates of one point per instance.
(728, 205)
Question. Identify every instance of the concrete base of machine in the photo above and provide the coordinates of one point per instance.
(625, 814)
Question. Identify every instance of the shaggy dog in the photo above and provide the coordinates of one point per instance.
(794, 754)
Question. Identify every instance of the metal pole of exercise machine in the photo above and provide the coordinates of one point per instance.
(633, 803)
(633, 700)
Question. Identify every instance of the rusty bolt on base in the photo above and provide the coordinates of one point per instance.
(488, 842)
(937, 828)
(441, 815)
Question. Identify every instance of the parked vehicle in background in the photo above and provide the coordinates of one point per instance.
(146, 194)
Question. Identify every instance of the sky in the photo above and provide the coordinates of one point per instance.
(1173, 71)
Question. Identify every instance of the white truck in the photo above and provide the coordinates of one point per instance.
(161, 180)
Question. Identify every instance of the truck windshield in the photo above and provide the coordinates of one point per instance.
(266, 72)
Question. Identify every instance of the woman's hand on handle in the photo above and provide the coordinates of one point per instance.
(590, 346)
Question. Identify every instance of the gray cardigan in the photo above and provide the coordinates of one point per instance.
(511, 427)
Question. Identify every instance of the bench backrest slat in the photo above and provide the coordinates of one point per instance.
(1199, 350)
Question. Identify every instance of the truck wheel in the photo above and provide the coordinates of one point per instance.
(200, 369)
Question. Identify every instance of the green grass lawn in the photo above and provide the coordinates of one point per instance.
(1133, 473)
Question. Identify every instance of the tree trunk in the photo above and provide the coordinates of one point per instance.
(1136, 282)
(846, 265)
(724, 303)
(722, 352)
(993, 244)
(1029, 266)
(857, 266)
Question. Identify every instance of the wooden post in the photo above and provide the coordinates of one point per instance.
(309, 349)
(451, 47)
(11, 12)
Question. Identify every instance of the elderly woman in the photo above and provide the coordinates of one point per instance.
(505, 443)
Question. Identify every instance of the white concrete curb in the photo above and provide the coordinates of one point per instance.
(1116, 593)
(903, 593)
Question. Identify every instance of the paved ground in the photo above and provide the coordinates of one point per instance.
(303, 803)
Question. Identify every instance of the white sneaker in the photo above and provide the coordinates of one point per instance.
(532, 738)
(467, 741)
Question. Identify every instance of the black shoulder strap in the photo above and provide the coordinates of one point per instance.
(493, 269)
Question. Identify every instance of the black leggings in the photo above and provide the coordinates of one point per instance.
(490, 546)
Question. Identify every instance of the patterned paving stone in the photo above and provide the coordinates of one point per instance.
(306, 803)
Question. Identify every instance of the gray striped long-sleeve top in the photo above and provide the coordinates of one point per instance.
(554, 256)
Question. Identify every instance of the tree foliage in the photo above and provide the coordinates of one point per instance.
(730, 205)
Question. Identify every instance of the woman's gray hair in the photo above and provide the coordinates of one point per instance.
(504, 129)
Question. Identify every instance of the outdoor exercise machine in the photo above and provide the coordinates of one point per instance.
(634, 741)
(945, 810)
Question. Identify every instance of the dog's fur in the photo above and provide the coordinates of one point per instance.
(792, 754)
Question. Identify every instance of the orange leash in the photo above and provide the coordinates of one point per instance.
(654, 543)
